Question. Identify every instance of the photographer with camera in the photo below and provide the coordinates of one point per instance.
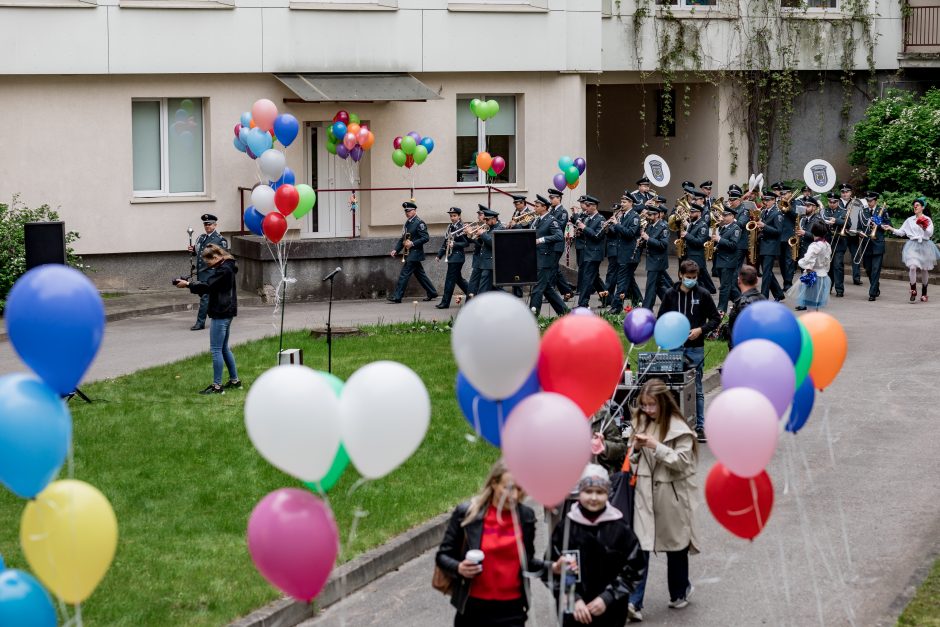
(211, 236)
(220, 289)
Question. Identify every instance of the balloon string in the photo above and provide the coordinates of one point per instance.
(757, 514)
(476, 415)
(562, 593)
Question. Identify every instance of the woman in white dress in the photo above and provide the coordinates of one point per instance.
(919, 254)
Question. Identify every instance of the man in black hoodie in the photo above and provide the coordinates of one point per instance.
(695, 303)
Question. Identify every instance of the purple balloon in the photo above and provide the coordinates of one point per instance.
(764, 367)
(581, 164)
(416, 135)
(342, 151)
(639, 325)
(559, 182)
(355, 153)
(249, 153)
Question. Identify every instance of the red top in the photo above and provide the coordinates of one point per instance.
(499, 580)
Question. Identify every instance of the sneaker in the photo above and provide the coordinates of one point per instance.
(800, 308)
(633, 614)
(234, 384)
(213, 389)
(700, 434)
(197, 327)
(683, 601)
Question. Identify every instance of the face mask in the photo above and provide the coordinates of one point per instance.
(689, 283)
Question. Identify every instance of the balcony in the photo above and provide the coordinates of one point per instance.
(921, 34)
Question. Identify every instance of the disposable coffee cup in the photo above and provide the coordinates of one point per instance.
(475, 556)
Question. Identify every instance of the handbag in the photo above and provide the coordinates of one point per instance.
(441, 580)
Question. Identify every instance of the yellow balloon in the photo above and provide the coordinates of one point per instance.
(69, 535)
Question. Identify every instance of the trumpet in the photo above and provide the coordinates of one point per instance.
(406, 237)
(466, 227)
(784, 205)
(614, 219)
(525, 218)
(479, 228)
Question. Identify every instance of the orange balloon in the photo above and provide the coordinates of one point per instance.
(353, 128)
(830, 346)
(369, 141)
(573, 185)
(252, 123)
(484, 161)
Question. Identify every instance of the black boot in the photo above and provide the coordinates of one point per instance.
(923, 293)
(913, 292)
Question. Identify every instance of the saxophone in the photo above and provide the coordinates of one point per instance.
(752, 235)
(794, 243)
(710, 244)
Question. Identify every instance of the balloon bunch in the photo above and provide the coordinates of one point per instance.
(348, 137)
(411, 149)
(184, 124)
(310, 425)
(484, 110)
(769, 381)
(492, 165)
(520, 393)
(68, 532)
(571, 171)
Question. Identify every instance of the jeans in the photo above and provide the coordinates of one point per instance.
(218, 346)
(677, 576)
(696, 355)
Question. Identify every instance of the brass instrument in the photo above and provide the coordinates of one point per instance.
(643, 224)
(710, 244)
(479, 228)
(406, 237)
(679, 243)
(784, 205)
(752, 234)
(794, 242)
(525, 218)
(466, 227)
(869, 235)
(680, 216)
(614, 219)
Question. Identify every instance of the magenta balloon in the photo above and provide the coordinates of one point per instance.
(498, 165)
(581, 164)
(638, 325)
(764, 367)
(559, 182)
(293, 541)
(396, 143)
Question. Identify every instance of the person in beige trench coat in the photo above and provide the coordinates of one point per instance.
(665, 460)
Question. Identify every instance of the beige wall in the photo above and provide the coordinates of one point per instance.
(73, 148)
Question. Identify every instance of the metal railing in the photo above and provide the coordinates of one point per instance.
(922, 29)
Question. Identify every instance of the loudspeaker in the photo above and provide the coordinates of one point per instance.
(45, 243)
(514, 257)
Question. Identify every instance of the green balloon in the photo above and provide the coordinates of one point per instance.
(308, 198)
(341, 461)
(408, 144)
(475, 107)
(331, 148)
(491, 171)
(492, 108)
(421, 153)
(399, 157)
(572, 174)
(805, 359)
(353, 119)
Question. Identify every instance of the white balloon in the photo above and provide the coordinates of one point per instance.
(262, 197)
(272, 163)
(293, 419)
(496, 343)
(385, 412)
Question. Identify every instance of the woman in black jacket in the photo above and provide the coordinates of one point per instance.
(223, 306)
(491, 590)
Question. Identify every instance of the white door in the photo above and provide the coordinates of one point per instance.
(330, 216)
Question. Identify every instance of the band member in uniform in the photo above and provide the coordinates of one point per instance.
(768, 248)
(805, 222)
(589, 226)
(707, 200)
(848, 239)
(414, 235)
(834, 216)
(578, 243)
(919, 253)
(560, 214)
(454, 258)
(805, 192)
(518, 208)
(476, 263)
(656, 241)
(642, 193)
(788, 219)
(547, 234)
(873, 216)
(210, 223)
(486, 257)
(699, 232)
(613, 265)
(726, 241)
(627, 229)
(741, 217)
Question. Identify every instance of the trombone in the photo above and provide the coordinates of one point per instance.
(870, 232)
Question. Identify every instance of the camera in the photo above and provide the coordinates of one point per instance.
(178, 279)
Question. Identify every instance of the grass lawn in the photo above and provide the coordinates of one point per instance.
(924, 608)
(183, 476)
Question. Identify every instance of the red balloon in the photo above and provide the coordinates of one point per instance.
(742, 506)
(341, 116)
(238, 129)
(572, 341)
(286, 199)
(396, 143)
(409, 161)
(274, 226)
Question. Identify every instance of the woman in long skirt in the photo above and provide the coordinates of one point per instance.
(919, 254)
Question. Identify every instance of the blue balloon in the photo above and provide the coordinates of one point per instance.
(286, 128)
(487, 416)
(240, 147)
(2, 565)
(288, 178)
(802, 405)
(428, 143)
(339, 131)
(35, 431)
(55, 319)
(23, 601)
(259, 141)
(246, 119)
(243, 134)
(769, 321)
(672, 330)
(253, 220)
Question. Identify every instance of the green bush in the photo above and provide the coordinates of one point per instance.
(12, 247)
(898, 141)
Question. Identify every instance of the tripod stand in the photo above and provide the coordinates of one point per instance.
(77, 392)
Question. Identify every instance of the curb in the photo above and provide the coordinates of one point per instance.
(353, 576)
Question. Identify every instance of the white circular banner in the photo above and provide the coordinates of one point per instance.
(819, 175)
(656, 170)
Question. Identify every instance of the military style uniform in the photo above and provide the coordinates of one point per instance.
(455, 263)
(768, 248)
(726, 263)
(203, 271)
(657, 262)
(613, 264)
(560, 214)
(417, 230)
(742, 217)
(628, 230)
(592, 255)
(695, 238)
(787, 230)
(486, 259)
(847, 243)
(875, 252)
(547, 233)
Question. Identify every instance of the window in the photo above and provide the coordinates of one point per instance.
(665, 113)
(687, 4)
(168, 138)
(496, 136)
(809, 4)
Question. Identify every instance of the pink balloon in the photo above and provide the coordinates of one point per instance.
(350, 141)
(742, 430)
(546, 444)
(293, 541)
(263, 112)
(396, 143)
(362, 136)
(498, 165)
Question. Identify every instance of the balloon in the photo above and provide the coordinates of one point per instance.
(349, 141)
(396, 143)
(581, 340)
(293, 541)
(546, 444)
(293, 419)
(366, 145)
(272, 163)
(742, 430)
(763, 366)
(341, 116)
(399, 157)
(286, 128)
(491, 171)
(341, 461)
(802, 405)
(571, 174)
(243, 135)
(672, 330)
(582, 311)
(564, 163)
(288, 178)
(475, 107)
(331, 148)
(356, 153)
(559, 182)
(250, 154)
(769, 321)
(246, 119)
(409, 161)
(353, 128)
(581, 164)
(487, 417)
(428, 144)
(742, 506)
(262, 197)
(258, 141)
(23, 601)
(421, 153)
(341, 151)
(499, 366)
(274, 226)
(806, 355)
(362, 136)
(339, 130)
(492, 108)
(307, 198)
(573, 185)
(499, 164)
(353, 119)
(35, 431)
(286, 199)
(385, 411)
(415, 136)
(69, 535)
(638, 325)
(408, 144)
(238, 128)
(263, 112)
(55, 320)
(253, 219)
(484, 161)
(830, 346)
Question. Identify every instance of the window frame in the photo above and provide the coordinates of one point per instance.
(481, 141)
(164, 191)
(683, 5)
(813, 10)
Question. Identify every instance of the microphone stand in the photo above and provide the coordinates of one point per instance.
(329, 316)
